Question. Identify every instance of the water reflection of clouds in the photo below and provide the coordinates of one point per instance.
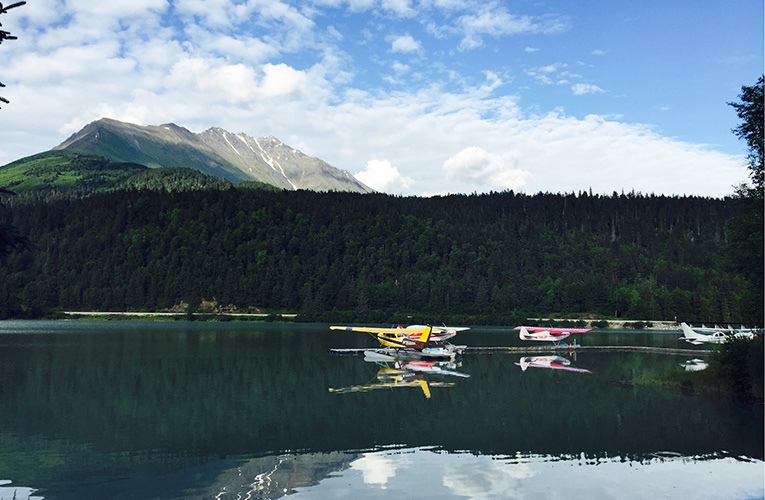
(376, 468)
(470, 478)
(16, 492)
(430, 474)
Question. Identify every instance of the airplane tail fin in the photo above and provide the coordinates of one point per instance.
(688, 331)
(689, 335)
(524, 334)
(425, 338)
(422, 343)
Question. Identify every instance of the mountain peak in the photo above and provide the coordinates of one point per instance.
(236, 157)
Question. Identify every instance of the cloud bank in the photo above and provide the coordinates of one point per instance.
(379, 88)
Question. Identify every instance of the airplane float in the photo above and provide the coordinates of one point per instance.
(541, 333)
(551, 362)
(715, 335)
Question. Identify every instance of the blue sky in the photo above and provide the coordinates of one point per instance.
(413, 97)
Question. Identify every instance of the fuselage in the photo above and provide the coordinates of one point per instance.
(543, 335)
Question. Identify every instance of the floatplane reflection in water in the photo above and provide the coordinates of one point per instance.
(410, 357)
(695, 365)
(551, 362)
(544, 334)
(396, 373)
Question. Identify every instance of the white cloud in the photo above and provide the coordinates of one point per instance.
(281, 79)
(495, 20)
(404, 44)
(232, 83)
(242, 47)
(400, 68)
(586, 88)
(399, 7)
(382, 176)
(478, 167)
(115, 9)
(270, 68)
(548, 74)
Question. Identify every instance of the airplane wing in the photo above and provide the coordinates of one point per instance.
(378, 330)
(437, 328)
(445, 329)
(553, 331)
(369, 329)
(394, 337)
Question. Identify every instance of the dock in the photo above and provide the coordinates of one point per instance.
(547, 349)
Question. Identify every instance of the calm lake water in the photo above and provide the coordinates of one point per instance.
(165, 410)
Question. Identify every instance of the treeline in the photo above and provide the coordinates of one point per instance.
(341, 256)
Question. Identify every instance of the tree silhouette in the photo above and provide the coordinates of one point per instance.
(6, 35)
(746, 229)
(750, 111)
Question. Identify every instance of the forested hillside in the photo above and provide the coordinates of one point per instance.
(344, 256)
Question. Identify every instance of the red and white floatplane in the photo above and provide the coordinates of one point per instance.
(548, 334)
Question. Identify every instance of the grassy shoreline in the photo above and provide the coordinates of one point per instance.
(620, 324)
(173, 316)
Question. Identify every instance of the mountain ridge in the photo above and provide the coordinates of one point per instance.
(215, 151)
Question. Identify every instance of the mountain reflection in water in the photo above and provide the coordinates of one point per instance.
(200, 410)
(425, 473)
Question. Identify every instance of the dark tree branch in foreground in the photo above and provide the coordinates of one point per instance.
(6, 35)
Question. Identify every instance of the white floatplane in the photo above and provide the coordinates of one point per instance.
(712, 335)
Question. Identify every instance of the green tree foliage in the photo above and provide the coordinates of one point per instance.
(750, 112)
(747, 239)
(10, 238)
(738, 364)
(476, 258)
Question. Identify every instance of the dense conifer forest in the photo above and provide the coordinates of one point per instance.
(490, 258)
